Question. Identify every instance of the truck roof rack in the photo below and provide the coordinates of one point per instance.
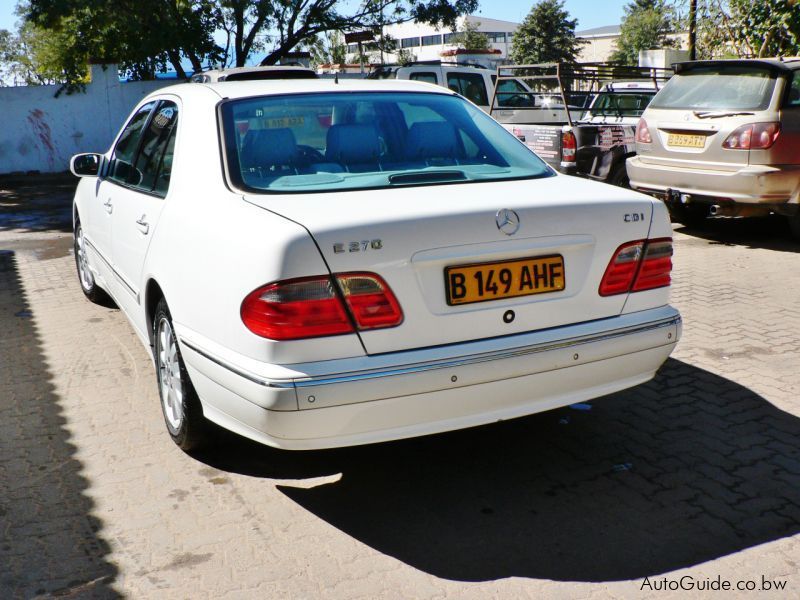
(434, 63)
(573, 84)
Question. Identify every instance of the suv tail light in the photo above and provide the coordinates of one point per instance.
(757, 136)
(569, 147)
(643, 132)
(638, 266)
(314, 307)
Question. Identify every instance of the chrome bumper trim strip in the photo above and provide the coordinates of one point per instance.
(439, 364)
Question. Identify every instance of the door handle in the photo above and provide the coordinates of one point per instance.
(108, 205)
(144, 226)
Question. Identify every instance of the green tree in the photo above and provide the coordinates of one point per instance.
(469, 38)
(144, 36)
(645, 26)
(328, 48)
(748, 28)
(546, 35)
(37, 56)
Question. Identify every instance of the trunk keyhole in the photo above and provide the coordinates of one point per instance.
(508, 316)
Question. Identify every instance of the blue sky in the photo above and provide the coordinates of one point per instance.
(590, 13)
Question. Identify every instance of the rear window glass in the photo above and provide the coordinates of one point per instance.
(338, 141)
(620, 104)
(718, 87)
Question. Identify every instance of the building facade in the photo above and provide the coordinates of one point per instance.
(427, 42)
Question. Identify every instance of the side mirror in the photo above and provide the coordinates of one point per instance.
(86, 165)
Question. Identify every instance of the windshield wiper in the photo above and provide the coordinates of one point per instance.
(426, 177)
(711, 114)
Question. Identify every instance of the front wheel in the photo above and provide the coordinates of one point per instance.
(183, 413)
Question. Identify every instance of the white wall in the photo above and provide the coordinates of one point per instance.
(39, 132)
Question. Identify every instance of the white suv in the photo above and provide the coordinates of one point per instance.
(474, 82)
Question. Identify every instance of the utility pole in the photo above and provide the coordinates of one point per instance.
(692, 29)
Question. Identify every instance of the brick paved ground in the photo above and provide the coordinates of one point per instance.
(696, 473)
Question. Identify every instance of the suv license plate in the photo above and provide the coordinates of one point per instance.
(682, 140)
(482, 282)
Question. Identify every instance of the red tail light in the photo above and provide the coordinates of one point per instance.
(643, 132)
(656, 266)
(312, 307)
(758, 136)
(638, 266)
(569, 147)
(370, 300)
(620, 272)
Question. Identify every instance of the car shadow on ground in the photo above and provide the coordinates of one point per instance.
(685, 469)
(50, 544)
(37, 202)
(769, 233)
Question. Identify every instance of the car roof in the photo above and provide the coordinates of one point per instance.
(777, 64)
(615, 86)
(246, 89)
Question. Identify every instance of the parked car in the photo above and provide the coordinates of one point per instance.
(254, 73)
(721, 139)
(595, 136)
(477, 84)
(317, 264)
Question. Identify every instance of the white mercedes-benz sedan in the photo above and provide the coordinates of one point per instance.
(317, 264)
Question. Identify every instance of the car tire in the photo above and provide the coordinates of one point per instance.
(692, 216)
(794, 226)
(86, 279)
(619, 177)
(183, 413)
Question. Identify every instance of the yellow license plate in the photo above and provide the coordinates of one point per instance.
(506, 279)
(283, 122)
(683, 140)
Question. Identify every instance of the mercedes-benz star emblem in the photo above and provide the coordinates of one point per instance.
(507, 221)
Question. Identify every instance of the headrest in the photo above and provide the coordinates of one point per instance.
(353, 144)
(267, 148)
(433, 139)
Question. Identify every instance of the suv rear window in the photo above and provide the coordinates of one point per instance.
(718, 87)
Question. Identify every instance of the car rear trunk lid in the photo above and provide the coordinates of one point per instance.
(411, 236)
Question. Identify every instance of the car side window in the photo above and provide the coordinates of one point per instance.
(793, 99)
(425, 76)
(152, 155)
(511, 92)
(469, 85)
(164, 173)
(121, 168)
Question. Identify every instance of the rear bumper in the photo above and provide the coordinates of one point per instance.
(753, 184)
(454, 387)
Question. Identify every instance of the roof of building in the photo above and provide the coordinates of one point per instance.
(599, 31)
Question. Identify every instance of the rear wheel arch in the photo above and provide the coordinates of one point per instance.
(152, 295)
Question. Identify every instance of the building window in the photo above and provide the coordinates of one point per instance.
(448, 38)
(409, 42)
(496, 37)
(431, 40)
(352, 48)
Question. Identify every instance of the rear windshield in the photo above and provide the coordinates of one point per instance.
(739, 87)
(621, 104)
(340, 141)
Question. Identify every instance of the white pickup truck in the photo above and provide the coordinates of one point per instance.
(477, 84)
(595, 136)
